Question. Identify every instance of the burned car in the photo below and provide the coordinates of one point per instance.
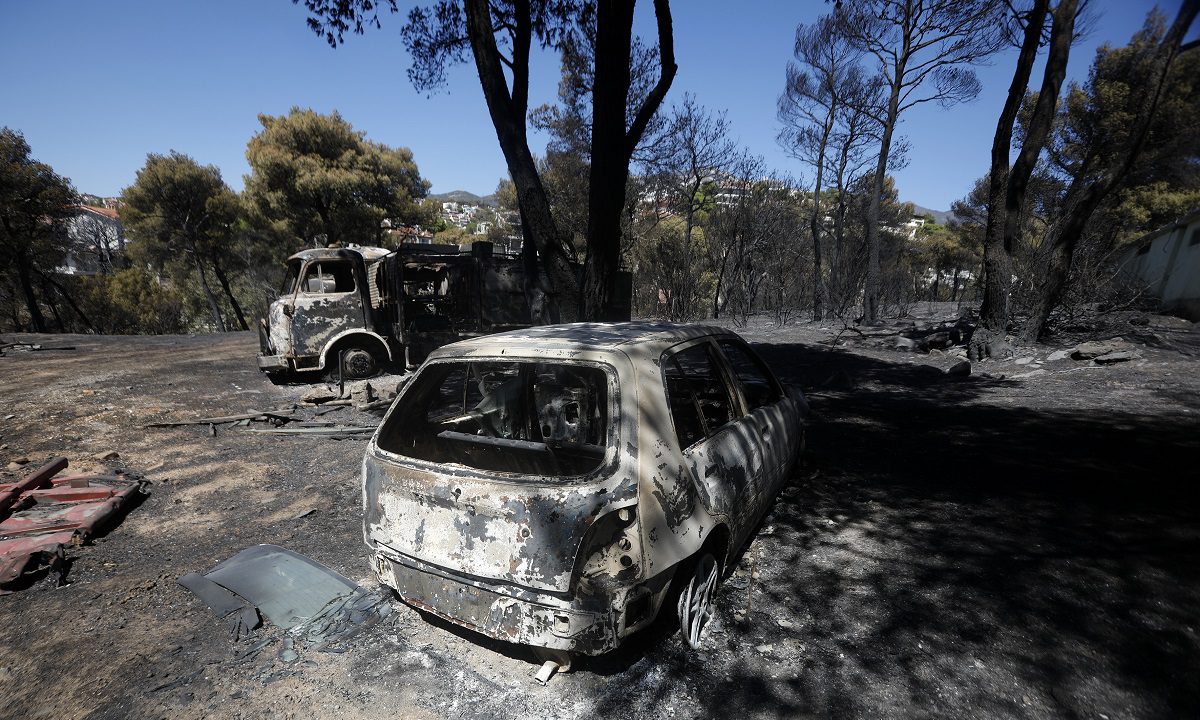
(554, 486)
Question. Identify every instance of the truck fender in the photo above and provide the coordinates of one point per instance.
(347, 333)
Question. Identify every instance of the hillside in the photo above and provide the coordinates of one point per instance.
(462, 196)
(941, 217)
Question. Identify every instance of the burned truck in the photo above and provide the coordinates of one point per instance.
(348, 311)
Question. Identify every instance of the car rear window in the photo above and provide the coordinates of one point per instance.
(528, 418)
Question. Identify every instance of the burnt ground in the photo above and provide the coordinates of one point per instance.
(976, 547)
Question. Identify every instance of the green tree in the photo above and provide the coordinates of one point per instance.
(131, 301)
(324, 179)
(1152, 205)
(454, 236)
(945, 251)
(180, 214)
(34, 203)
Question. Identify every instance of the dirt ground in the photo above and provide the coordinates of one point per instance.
(1023, 544)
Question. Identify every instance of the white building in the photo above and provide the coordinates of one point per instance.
(1166, 263)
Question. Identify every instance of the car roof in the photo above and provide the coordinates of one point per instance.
(330, 253)
(649, 336)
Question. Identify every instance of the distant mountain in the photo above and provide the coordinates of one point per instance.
(941, 217)
(462, 196)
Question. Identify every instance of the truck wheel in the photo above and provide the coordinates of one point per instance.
(357, 362)
(695, 598)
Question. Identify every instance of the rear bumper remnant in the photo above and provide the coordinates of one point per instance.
(546, 622)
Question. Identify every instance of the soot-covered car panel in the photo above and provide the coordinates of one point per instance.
(545, 486)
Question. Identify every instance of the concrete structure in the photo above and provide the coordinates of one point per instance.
(1167, 263)
(97, 242)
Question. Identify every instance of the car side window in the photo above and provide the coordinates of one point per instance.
(758, 384)
(328, 277)
(697, 393)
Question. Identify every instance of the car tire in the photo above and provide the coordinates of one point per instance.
(694, 605)
(358, 363)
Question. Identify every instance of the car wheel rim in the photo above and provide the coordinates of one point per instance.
(695, 601)
(358, 363)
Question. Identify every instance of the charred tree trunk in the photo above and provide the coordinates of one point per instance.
(24, 269)
(609, 170)
(997, 258)
(535, 293)
(871, 292)
(58, 321)
(237, 309)
(508, 112)
(716, 310)
(837, 270)
(820, 296)
(613, 145)
(213, 307)
(70, 301)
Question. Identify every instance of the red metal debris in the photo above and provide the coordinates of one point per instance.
(10, 493)
(42, 514)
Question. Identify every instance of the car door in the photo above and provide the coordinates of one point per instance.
(771, 413)
(326, 303)
(722, 449)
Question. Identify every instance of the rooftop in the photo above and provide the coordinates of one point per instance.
(586, 336)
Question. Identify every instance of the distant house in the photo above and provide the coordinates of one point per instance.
(97, 242)
(1167, 263)
(409, 235)
(907, 229)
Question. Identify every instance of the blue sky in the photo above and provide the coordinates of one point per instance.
(94, 87)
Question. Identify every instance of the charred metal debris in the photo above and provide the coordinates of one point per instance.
(7, 347)
(305, 417)
(44, 514)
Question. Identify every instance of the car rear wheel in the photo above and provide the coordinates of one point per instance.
(694, 607)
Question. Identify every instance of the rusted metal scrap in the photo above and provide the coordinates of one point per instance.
(43, 514)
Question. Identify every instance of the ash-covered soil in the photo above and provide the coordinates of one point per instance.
(1025, 544)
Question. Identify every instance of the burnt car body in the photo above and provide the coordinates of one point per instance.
(545, 486)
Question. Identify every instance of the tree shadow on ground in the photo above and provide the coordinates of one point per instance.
(952, 558)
